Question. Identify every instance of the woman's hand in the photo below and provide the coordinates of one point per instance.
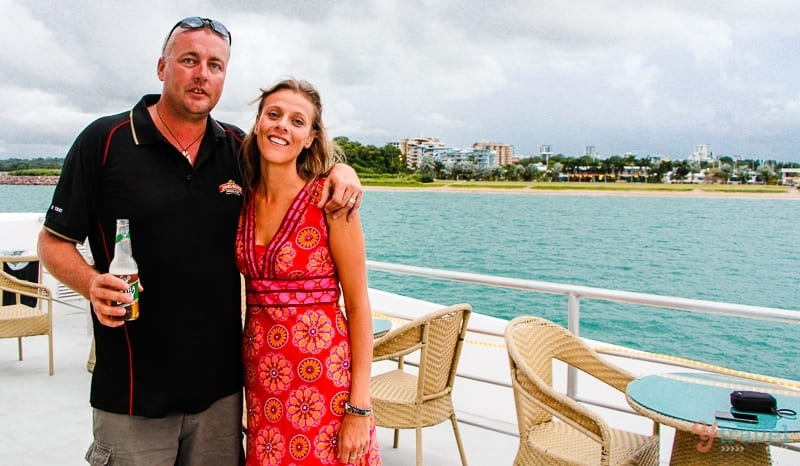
(353, 438)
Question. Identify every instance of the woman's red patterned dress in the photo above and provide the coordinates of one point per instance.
(295, 345)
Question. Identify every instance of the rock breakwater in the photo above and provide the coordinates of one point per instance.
(29, 180)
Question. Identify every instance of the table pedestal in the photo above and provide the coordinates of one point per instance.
(690, 449)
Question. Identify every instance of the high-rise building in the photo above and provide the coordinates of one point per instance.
(505, 152)
(701, 153)
(545, 151)
(414, 148)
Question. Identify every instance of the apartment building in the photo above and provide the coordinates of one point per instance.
(413, 149)
(505, 152)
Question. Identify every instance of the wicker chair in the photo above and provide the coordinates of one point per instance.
(403, 400)
(553, 428)
(19, 320)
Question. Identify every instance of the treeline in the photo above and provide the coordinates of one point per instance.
(366, 160)
(42, 163)
(372, 160)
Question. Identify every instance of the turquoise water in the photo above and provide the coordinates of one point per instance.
(733, 250)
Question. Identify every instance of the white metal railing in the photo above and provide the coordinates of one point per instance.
(574, 293)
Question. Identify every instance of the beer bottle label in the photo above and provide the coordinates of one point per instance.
(122, 236)
(133, 290)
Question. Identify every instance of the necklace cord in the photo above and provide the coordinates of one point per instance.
(184, 150)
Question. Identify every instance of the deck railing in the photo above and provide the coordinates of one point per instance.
(575, 293)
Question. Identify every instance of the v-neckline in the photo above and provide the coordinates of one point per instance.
(271, 246)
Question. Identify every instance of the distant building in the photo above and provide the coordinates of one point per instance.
(790, 176)
(590, 151)
(505, 152)
(545, 151)
(414, 148)
(479, 157)
(701, 153)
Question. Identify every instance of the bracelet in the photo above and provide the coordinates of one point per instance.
(355, 410)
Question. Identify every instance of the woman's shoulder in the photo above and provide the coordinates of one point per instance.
(315, 187)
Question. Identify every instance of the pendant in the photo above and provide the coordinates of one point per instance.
(185, 153)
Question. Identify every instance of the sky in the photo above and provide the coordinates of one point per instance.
(626, 76)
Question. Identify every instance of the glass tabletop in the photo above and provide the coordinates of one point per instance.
(380, 326)
(694, 397)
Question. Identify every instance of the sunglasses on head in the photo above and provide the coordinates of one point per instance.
(196, 22)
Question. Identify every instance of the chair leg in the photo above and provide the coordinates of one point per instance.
(396, 438)
(458, 440)
(419, 446)
(50, 349)
(19, 347)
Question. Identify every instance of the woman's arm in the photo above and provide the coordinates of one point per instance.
(348, 252)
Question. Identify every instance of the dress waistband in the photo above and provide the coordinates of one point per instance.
(266, 292)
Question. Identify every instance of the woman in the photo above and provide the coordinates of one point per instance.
(307, 366)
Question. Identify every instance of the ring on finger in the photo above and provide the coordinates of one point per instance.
(351, 201)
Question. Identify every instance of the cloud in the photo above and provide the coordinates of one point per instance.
(620, 74)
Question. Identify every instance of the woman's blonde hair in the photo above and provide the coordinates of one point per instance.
(313, 161)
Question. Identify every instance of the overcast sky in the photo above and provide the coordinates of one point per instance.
(650, 77)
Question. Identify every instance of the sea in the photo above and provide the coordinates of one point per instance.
(736, 250)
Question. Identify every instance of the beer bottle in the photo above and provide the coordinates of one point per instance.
(124, 266)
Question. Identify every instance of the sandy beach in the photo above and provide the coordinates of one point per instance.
(624, 190)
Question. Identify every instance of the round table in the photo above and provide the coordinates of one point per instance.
(687, 401)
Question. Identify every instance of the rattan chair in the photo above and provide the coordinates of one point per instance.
(554, 429)
(19, 320)
(403, 400)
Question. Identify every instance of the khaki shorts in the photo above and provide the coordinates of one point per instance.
(212, 437)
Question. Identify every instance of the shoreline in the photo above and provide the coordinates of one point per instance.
(29, 180)
(792, 193)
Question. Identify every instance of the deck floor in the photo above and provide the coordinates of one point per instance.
(47, 420)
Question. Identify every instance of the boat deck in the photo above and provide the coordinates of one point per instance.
(47, 420)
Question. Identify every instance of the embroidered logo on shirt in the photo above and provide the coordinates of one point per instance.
(229, 187)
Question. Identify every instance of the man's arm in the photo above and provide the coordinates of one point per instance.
(63, 260)
(342, 192)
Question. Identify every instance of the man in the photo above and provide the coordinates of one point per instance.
(166, 388)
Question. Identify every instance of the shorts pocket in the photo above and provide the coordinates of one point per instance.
(98, 455)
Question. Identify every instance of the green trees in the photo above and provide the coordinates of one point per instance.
(52, 165)
(372, 160)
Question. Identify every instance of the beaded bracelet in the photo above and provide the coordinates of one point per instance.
(355, 410)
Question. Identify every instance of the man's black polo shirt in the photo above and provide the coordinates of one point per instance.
(183, 353)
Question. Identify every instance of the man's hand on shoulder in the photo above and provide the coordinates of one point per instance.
(342, 192)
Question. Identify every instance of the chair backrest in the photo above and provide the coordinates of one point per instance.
(443, 334)
(439, 338)
(533, 343)
(14, 285)
(25, 268)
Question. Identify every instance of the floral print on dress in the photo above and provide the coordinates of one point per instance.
(278, 336)
(341, 323)
(253, 408)
(252, 340)
(299, 446)
(270, 446)
(307, 238)
(326, 442)
(320, 263)
(285, 258)
(309, 369)
(305, 408)
(313, 332)
(273, 410)
(337, 403)
(295, 342)
(338, 364)
(275, 372)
